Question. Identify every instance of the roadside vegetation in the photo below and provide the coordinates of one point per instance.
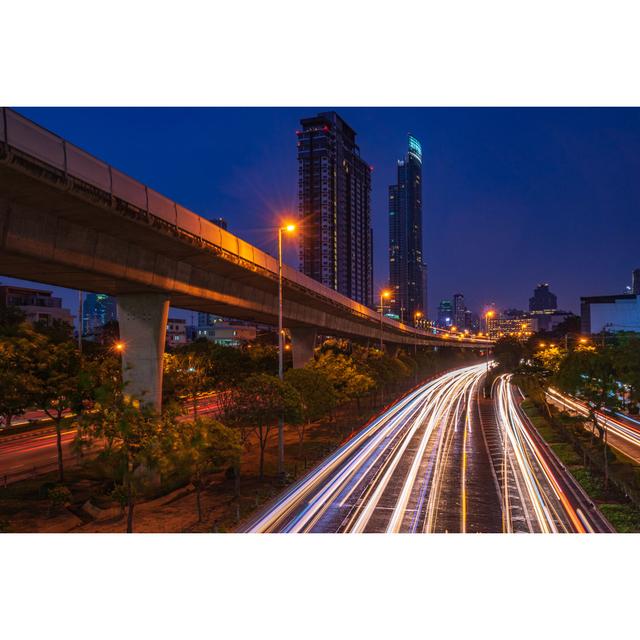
(222, 462)
(605, 374)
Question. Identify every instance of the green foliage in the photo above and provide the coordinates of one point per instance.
(317, 396)
(508, 352)
(626, 360)
(56, 331)
(187, 374)
(20, 350)
(316, 392)
(624, 518)
(591, 375)
(226, 366)
(58, 496)
(201, 447)
(347, 380)
(133, 440)
(12, 321)
(258, 403)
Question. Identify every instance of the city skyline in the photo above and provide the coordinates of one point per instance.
(576, 159)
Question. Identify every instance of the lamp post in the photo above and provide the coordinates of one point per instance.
(487, 315)
(289, 228)
(383, 294)
(80, 321)
(416, 316)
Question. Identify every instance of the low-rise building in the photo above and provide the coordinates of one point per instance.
(615, 313)
(38, 305)
(176, 333)
(230, 335)
(519, 327)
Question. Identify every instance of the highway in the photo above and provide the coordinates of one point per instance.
(34, 452)
(623, 432)
(442, 459)
(538, 494)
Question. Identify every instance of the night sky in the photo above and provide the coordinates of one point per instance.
(512, 197)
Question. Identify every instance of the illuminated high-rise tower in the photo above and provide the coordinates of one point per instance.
(407, 270)
(334, 190)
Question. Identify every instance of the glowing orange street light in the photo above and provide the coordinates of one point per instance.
(453, 329)
(289, 227)
(385, 293)
(119, 346)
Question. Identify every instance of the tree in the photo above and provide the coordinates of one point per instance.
(12, 321)
(57, 372)
(591, 375)
(18, 385)
(257, 405)
(383, 369)
(134, 437)
(348, 382)
(317, 395)
(205, 446)
(509, 351)
(187, 376)
(56, 331)
(626, 358)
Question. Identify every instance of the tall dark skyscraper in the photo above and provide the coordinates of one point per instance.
(334, 195)
(543, 301)
(635, 282)
(407, 271)
(459, 309)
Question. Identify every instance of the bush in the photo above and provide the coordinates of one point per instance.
(58, 496)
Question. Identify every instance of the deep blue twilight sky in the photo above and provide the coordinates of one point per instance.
(512, 197)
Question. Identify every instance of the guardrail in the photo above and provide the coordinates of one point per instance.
(24, 135)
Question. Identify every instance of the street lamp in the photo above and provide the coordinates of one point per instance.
(119, 346)
(581, 339)
(383, 294)
(289, 228)
(487, 315)
(416, 316)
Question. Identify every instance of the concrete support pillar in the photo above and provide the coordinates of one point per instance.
(303, 341)
(143, 328)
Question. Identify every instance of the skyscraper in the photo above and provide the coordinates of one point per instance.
(543, 301)
(635, 282)
(97, 310)
(334, 193)
(445, 314)
(407, 271)
(459, 309)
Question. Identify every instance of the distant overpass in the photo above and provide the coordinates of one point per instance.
(69, 219)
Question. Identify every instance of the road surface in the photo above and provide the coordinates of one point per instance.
(623, 432)
(432, 463)
(538, 494)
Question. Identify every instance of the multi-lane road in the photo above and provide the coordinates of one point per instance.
(623, 432)
(442, 459)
